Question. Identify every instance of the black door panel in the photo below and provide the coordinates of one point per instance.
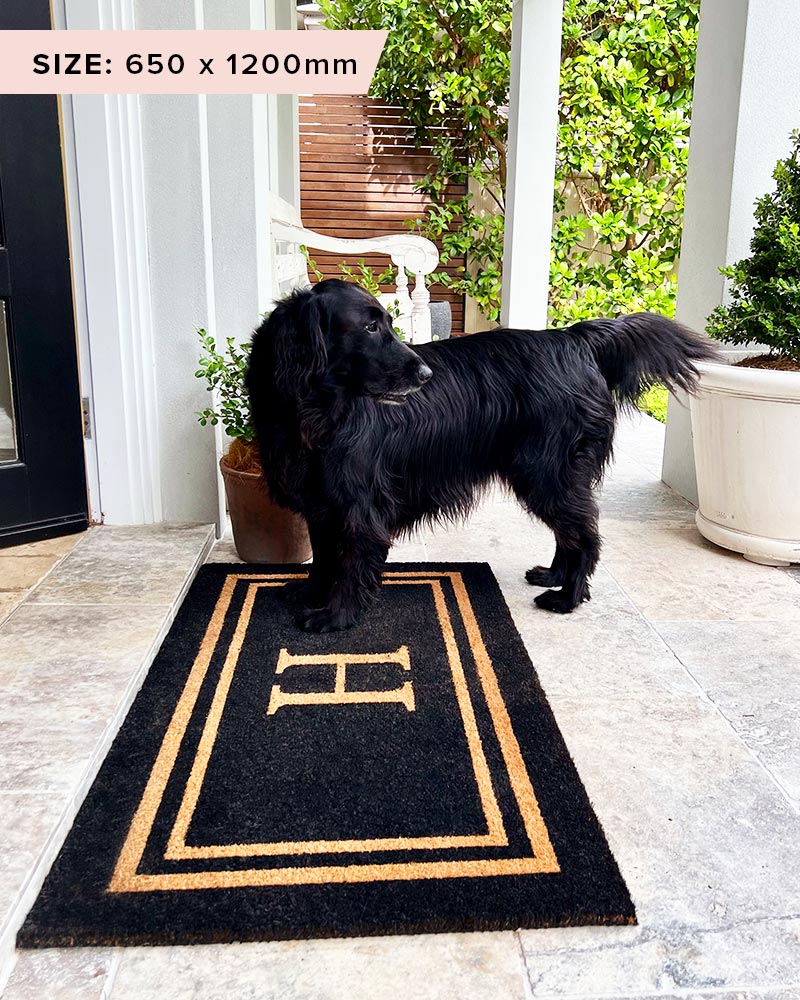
(42, 474)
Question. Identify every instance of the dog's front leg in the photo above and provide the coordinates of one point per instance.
(314, 591)
(356, 584)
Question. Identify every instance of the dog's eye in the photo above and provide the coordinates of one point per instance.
(372, 326)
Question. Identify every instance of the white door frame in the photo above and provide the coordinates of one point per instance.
(106, 209)
(107, 216)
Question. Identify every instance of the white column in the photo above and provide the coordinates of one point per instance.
(746, 94)
(533, 125)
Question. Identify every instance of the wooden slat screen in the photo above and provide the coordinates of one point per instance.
(358, 168)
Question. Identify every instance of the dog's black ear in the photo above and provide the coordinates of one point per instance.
(299, 325)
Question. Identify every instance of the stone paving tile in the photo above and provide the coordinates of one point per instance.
(26, 822)
(627, 496)
(603, 650)
(499, 532)
(78, 659)
(405, 550)
(60, 974)
(751, 670)
(23, 572)
(411, 549)
(22, 566)
(9, 600)
(138, 565)
(639, 438)
(793, 993)
(425, 967)
(706, 843)
(674, 574)
(68, 673)
(224, 551)
(49, 546)
(49, 757)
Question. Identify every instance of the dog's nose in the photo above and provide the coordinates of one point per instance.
(424, 373)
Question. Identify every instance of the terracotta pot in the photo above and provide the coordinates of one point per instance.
(263, 532)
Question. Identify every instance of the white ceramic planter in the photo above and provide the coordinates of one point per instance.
(746, 430)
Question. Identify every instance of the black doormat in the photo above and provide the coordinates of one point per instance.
(404, 776)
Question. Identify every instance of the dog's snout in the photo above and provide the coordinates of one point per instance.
(424, 373)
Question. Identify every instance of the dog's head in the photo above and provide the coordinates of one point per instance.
(338, 337)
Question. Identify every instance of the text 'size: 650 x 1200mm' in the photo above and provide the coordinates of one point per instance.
(154, 63)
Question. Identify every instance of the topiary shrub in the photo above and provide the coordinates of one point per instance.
(764, 302)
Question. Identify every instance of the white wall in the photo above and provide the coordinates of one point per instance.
(201, 222)
(171, 205)
(746, 102)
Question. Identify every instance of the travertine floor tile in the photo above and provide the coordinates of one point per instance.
(673, 574)
(60, 974)
(46, 755)
(9, 600)
(224, 551)
(68, 670)
(427, 967)
(68, 663)
(706, 843)
(49, 546)
(26, 823)
(793, 993)
(639, 438)
(23, 572)
(751, 670)
(139, 565)
(603, 650)
(627, 496)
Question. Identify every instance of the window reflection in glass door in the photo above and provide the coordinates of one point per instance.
(8, 433)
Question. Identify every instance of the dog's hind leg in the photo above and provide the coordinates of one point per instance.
(578, 546)
(569, 509)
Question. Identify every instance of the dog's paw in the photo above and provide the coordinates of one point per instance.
(544, 576)
(325, 620)
(299, 593)
(556, 601)
(559, 602)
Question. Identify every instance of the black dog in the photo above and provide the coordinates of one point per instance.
(365, 436)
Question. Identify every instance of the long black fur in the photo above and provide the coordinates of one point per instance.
(366, 437)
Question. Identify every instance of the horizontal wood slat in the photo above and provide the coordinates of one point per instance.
(359, 167)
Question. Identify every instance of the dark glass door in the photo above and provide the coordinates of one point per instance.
(42, 473)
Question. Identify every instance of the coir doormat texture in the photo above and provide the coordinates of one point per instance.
(406, 775)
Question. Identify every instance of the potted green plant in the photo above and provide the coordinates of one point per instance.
(263, 531)
(746, 416)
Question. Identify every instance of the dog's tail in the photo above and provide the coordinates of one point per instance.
(638, 351)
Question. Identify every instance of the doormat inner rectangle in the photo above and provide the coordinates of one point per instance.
(403, 776)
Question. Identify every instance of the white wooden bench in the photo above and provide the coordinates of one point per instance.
(407, 252)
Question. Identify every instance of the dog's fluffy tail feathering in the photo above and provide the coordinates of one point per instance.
(638, 351)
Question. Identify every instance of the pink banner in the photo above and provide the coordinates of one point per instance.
(188, 62)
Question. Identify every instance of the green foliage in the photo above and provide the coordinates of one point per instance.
(765, 288)
(225, 374)
(449, 64)
(364, 276)
(654, 402)
(627, 71)
(626, 84)
(367, 277)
